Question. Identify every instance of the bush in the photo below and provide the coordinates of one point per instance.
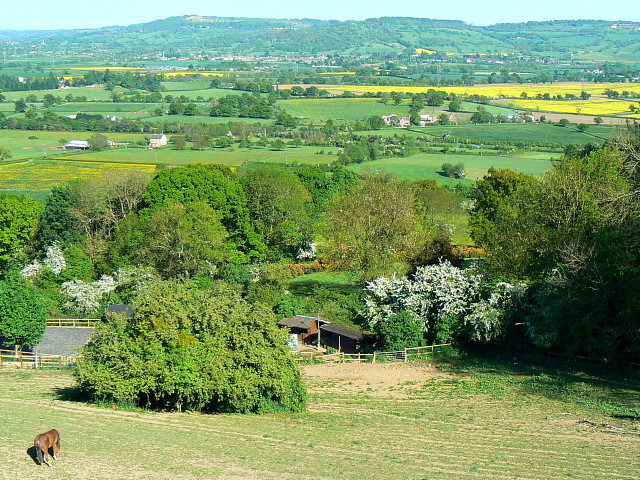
(198, 349)
(22, 311)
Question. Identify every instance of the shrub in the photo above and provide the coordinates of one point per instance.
(198, 349)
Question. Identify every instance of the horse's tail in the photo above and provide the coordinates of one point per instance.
(39, 452)
(58, 441)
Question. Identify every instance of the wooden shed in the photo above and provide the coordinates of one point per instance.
(341, 338)
(303, 329)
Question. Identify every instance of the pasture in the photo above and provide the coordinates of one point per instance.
(427, 165)
(400, 421)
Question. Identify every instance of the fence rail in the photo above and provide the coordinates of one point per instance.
(376, 357)
(20, 359)
(73, 322)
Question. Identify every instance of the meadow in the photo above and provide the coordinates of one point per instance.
(436, 420)
(427, 165)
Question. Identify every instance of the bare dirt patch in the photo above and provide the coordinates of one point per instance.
(377, 378)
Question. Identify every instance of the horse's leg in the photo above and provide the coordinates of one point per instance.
(56, 450)
(46, 456)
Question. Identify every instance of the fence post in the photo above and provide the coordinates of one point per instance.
(1, 360)
(60, 363)
(405, 354)
(374, 357)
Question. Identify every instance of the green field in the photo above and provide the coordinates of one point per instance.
(233, 157)
(383, 421)
(427, 165)
(525, 132)
(319, 110)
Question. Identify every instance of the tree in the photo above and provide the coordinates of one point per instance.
(56, 225)
(376, 122)
(372, 226)
(4, 154)
(490, 193)
(98, 142)
(185, 240)
(597, 120)
(217, 185)
(22, 311)
(277, 202)
(18, 223)
(196, 349)
(21, 106)
(179, 142)
(400, 330)
(573, 237)
(455, 106)
(563, 122)
(582, 127)
(443, 119)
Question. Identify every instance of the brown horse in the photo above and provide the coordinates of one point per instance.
(44, 442)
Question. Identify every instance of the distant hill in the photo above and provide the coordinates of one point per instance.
(591, 39)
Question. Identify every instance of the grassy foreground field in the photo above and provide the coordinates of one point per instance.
(401, 421)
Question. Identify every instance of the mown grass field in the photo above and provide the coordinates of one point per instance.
(406, 421)
(427, 165)
(525, 132)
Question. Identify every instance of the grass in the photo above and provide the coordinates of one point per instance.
(320, 110)
(525, 132)
(427, 165)
(41, 175)
(473, 421)
(233, 157)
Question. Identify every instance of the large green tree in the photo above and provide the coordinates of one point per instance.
(219, 187)
(18, 223)
(373, 225)
(22, 311)
(277, 203)
(197, 349)
(490, 193)
(573, 237)
(56, 224)
(185, 240)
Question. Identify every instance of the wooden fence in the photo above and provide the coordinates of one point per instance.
(20, 359)
(375, 357)
(73, 322)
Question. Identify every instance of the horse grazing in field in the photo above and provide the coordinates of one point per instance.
(44, 442)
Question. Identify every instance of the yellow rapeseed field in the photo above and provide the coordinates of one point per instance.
(504, 90)
(597, 106)
(44, 174)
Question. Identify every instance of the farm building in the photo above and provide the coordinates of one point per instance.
(303, 330)
(119, 309)
(157, 140)
(77, 145)
(341, 338)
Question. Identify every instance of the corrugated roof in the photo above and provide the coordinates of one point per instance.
(298, 321)
(345, 332)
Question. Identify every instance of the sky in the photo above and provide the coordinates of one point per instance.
(47, 14)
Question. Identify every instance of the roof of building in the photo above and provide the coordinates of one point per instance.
(82, 143)
(343, 331)
(157, 136)
(297, 321)
(124, 310)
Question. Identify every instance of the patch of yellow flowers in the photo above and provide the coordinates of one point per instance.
(44, 174)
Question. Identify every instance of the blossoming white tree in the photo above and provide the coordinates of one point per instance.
(439, 295)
